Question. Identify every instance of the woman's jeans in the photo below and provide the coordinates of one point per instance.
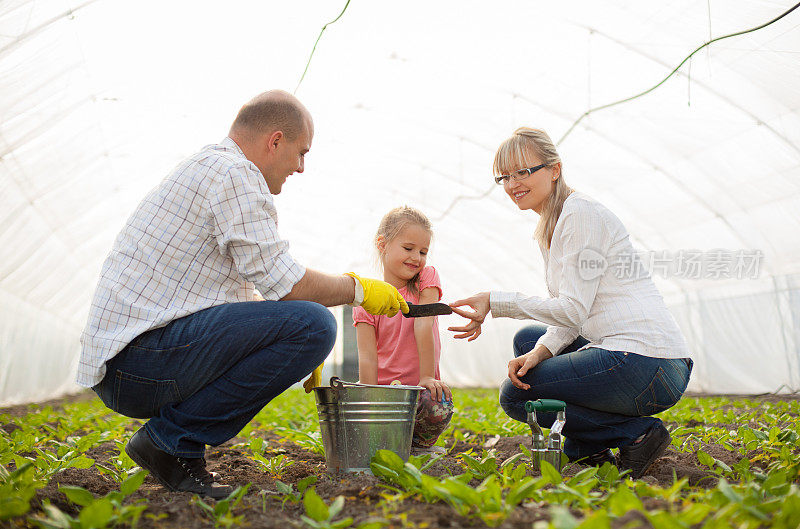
(609, 394)
(201, 378)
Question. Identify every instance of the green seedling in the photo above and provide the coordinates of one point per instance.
(321, 516)
(481, 468)
(17, 488)
(222, 511)
(310, 441)
(96, 512)
(120, 466)
(288, 492)
(273, 465)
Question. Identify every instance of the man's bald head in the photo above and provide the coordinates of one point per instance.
(272, 111)
(274, 131)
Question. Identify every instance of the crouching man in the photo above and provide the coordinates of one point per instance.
(174, 335)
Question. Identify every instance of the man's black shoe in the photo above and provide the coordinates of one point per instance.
(178, 474)
(639, 456)
(597, 460)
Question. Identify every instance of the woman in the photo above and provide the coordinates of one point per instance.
(610, 350)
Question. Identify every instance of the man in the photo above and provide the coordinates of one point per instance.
(174, 333)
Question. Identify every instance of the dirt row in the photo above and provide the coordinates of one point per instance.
(363, 493)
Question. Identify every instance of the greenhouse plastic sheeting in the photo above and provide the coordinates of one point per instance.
(410, 100)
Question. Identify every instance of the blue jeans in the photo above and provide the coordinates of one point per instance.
(202, 378)
(609, 394)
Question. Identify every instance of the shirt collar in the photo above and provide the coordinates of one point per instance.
(228, 142)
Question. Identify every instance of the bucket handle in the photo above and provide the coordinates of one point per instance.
(338, 384)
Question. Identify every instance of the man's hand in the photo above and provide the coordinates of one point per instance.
(438, 389)
(314, 379)
(380, 298)
(480, 304)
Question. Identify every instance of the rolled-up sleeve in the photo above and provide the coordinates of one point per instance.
(584, 238)
(246, 229)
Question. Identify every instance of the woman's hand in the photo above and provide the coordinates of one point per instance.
(521, 365)
(437, 388)
(524, 363)
(481, 307)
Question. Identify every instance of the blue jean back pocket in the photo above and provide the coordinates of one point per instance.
(659, 395)
(141, 397)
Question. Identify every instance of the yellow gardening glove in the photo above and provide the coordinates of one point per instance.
(380, 298)
(314, 380)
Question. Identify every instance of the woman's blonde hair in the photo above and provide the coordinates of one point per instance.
(392, 224)
(518, 152)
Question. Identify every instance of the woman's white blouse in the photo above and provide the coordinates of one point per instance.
(598, 289)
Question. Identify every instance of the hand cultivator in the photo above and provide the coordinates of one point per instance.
(546, 448)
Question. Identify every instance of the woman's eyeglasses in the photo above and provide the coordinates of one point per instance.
(522, 174)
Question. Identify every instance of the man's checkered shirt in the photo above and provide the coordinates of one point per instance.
(206, 235)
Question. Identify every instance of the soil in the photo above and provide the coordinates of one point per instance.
(21, 410)
(364, 494)
(761, 397)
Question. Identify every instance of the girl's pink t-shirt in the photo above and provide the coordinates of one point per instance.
(398, 358)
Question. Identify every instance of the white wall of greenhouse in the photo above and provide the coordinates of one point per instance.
(410, 100)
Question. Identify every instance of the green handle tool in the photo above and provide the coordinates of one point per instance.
(545, 405)
(549, 448)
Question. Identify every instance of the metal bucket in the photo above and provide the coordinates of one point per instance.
(357, 420)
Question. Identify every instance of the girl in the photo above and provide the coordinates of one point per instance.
(407, 349)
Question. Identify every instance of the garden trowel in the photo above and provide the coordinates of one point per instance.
(429, 309)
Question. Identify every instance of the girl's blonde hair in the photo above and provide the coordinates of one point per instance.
(518, 152)
(390, 227)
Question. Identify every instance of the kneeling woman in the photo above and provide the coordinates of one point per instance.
(611, 350)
